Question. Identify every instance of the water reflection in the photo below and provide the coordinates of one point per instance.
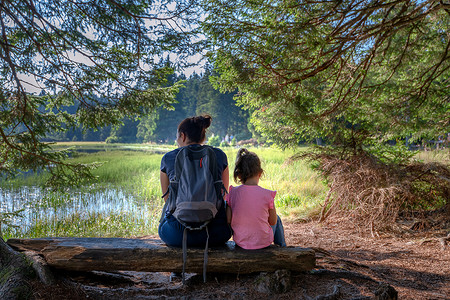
(46, 206)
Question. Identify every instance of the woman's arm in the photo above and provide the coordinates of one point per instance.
(272, 216)
(229, 214)
(164, 180)
(226, 178)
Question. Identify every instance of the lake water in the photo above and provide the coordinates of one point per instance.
(124, 212)
(42, 206)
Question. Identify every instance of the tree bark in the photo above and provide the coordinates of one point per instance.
(14, 274)
(150, 255)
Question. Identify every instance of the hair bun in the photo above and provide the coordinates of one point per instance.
(204, 120)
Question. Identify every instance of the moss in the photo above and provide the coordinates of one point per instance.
(5, 274)
(28, 269)
(22, 292)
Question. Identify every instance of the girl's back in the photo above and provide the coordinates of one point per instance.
(250, 205)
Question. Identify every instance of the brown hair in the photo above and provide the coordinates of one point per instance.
(247, 165)
(195, 128)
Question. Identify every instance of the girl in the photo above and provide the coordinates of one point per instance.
(250, 210)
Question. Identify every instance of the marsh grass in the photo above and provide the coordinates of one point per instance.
(94, 225)
(133, 177)
(80, 212)
(442, 156)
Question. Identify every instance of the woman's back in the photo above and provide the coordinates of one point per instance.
(191, 133)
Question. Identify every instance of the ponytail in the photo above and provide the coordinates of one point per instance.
(247, 165)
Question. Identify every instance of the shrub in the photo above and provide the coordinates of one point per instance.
(214, 141)
(375, 192)
(112, 139)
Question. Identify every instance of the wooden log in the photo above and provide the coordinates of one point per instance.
(152, 255)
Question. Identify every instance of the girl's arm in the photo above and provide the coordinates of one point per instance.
(272, 216)
(164, 180)
(229, 214)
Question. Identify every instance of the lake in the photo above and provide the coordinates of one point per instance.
(130, 207)
(45, 212)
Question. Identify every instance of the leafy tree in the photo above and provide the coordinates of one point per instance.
(214, 141)
(103, 55)
(124, 133)
(233, 142)
(348, 71)
(353, 73)
(146, 128)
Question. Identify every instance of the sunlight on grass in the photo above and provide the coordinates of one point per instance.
(102, 209)
(442, 156)
(80, 212)
(91, 225)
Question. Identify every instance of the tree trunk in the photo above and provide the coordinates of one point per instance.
(14, 274)
(149, 255)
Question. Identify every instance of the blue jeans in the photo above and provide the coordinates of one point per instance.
(278, 233)
(171, 231)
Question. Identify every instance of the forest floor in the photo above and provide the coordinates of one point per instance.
(350, 265)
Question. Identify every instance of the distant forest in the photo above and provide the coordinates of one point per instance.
(197, 97)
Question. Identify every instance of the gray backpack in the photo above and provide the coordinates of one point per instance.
(196, 194)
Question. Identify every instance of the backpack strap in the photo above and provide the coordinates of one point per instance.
(163, 212)
(205, 255)
(184, 249)
(184, 243)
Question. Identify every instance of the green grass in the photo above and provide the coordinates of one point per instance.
(93, 225)
(71, 213)
(299, 192)
(127, 175)
(121, 167)
(442, 156)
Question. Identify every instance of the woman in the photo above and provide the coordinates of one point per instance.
(192, 133)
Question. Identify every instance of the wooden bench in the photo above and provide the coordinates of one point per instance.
(152, 255)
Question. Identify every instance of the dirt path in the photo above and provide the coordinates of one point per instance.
(417, 265)
(351, 266)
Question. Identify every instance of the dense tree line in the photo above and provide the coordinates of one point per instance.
(196, 97)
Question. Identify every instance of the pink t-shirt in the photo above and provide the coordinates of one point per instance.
(250, 206)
